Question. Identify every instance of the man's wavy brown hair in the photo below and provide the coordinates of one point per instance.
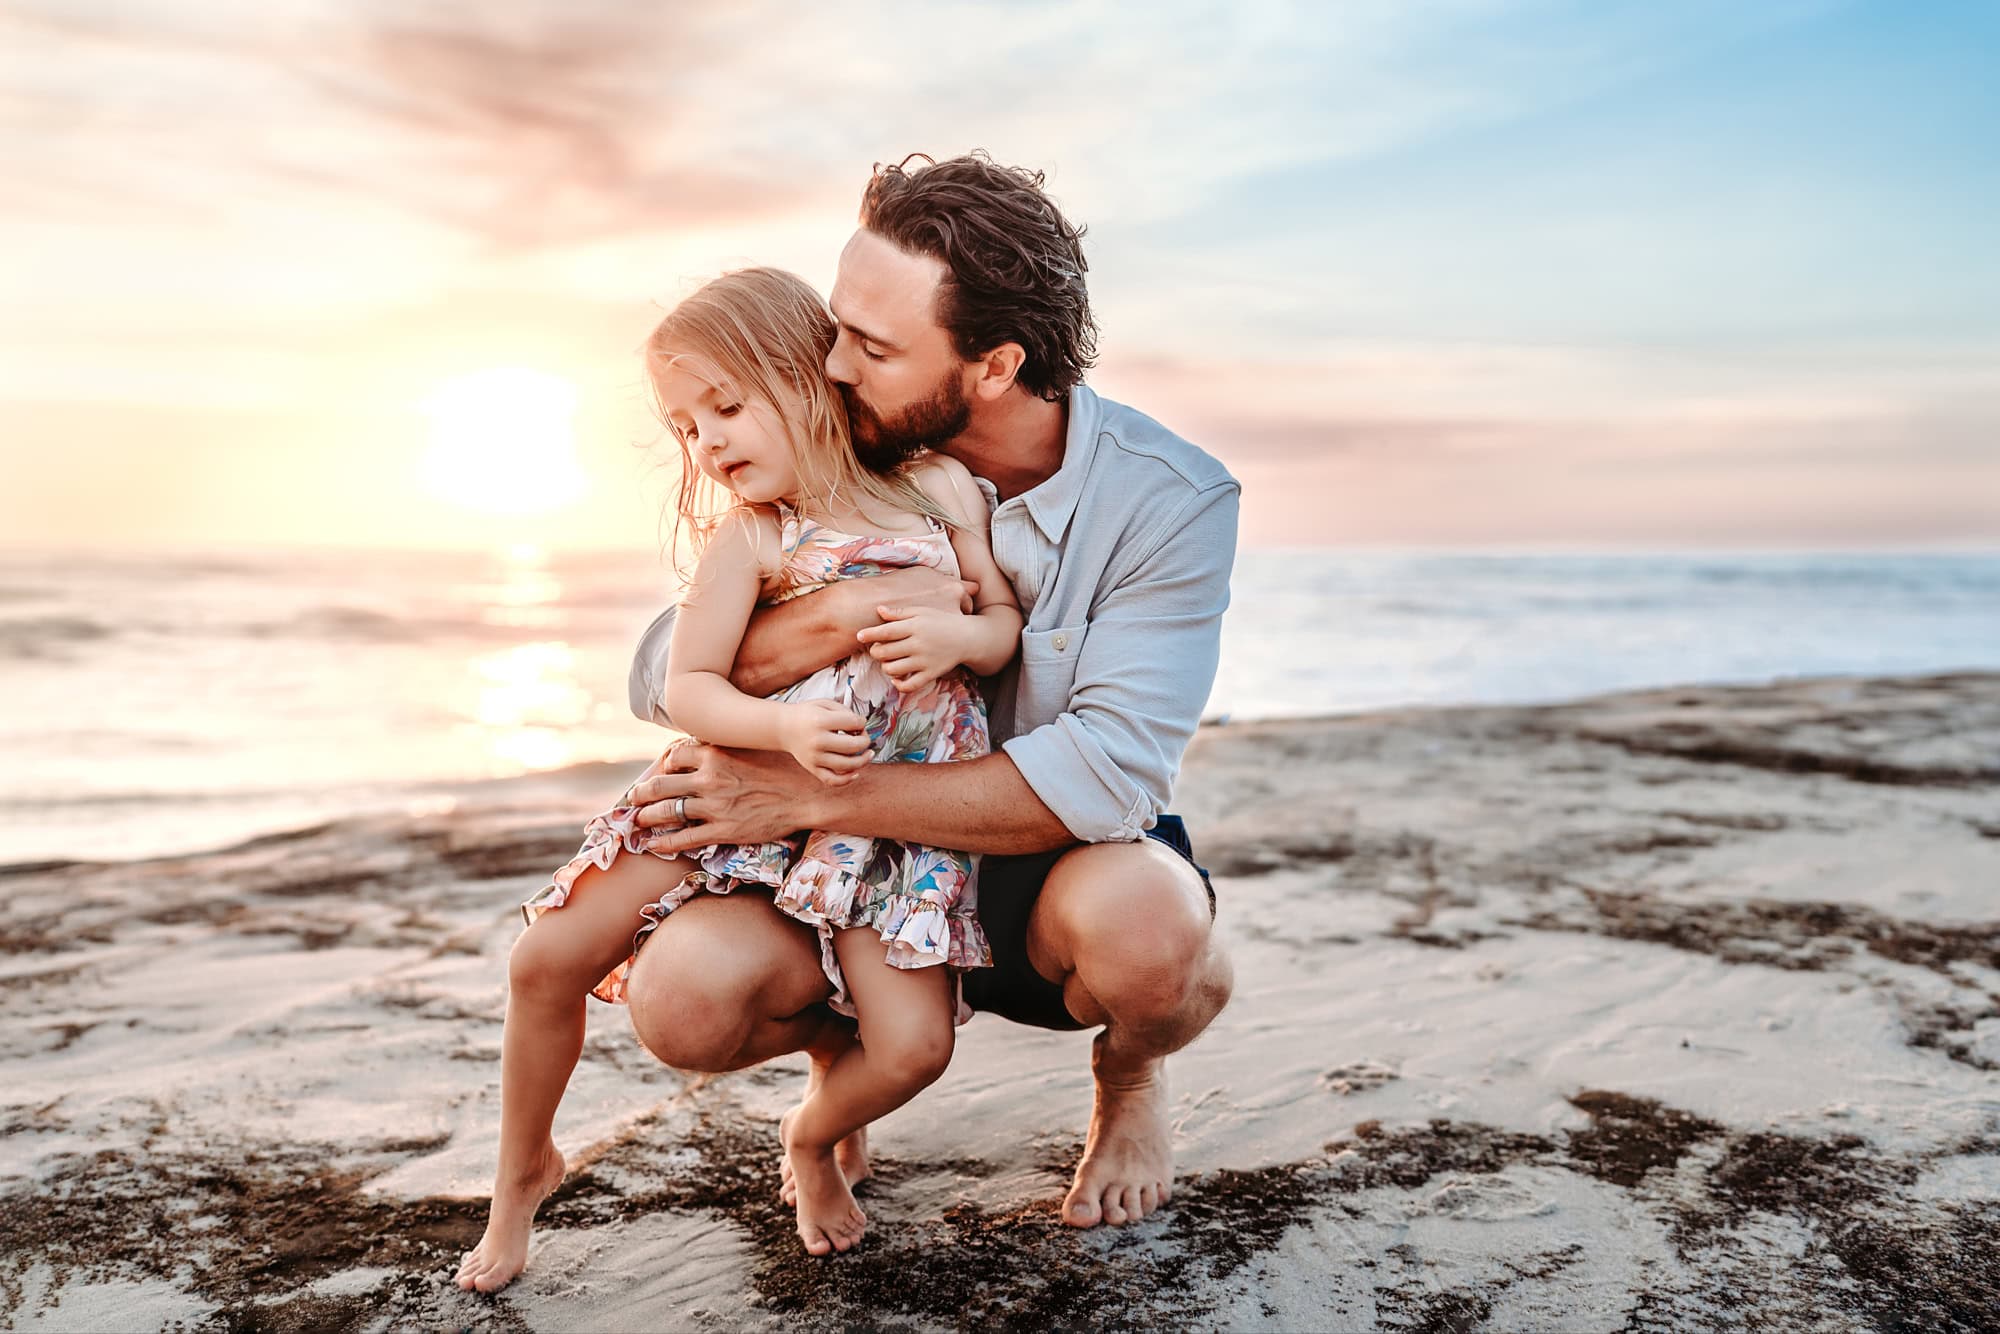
(1013, 264)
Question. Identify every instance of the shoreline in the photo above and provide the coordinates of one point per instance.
(1656, 1008)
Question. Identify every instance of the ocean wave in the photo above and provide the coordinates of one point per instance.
(54, 635)
(346, 624)
(47, 636)
(1933, 576)
(365, 625)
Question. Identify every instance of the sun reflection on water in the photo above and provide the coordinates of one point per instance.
(525, 592)
(528, 697)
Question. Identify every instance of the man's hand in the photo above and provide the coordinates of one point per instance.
(916, 645)
(829, 740)
(733, 796)
(789, 642)
(917, 587)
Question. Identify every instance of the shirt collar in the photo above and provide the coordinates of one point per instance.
(1054, 502)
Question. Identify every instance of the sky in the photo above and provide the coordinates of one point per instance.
(1469, 274)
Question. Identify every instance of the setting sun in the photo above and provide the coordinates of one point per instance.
(503, 441)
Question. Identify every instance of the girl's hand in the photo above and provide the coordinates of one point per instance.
(916, 645)
(827, 739)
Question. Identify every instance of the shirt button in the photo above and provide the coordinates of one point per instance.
(1061, 642)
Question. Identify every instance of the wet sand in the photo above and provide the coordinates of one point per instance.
(1661, 1010)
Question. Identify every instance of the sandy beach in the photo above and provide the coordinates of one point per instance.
(1671, 1009)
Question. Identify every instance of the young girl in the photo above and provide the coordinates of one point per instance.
(738, 370)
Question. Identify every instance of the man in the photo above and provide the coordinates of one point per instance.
(965, 327)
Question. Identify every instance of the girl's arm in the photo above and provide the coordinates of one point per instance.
(996, 632)
(830, 741)
(916, 645)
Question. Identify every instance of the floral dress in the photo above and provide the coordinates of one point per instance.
(920, 899)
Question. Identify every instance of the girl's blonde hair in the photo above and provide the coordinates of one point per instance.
(767, 333)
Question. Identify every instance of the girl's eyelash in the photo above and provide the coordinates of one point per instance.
(872, 356)
(689, 432)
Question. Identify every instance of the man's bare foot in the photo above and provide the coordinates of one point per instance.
(829, 1219)
(1128, 1160)
(503, 1252)
(851, 1155)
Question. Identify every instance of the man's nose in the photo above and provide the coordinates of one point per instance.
(839, 368)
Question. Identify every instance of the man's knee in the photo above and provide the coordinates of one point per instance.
(690, 1018)
(1132, 922)
(714, 970)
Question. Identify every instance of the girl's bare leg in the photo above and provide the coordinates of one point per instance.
(554, 964)
(851, 1153)
(906, 1040)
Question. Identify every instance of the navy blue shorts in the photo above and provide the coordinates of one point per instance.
(1008, 888)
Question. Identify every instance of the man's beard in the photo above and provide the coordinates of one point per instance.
(883, 444)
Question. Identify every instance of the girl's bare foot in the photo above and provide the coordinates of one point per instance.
(503, 1252)
(829, 1219)
(851, 1155)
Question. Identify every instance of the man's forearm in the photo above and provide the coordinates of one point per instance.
(789, 642)
(981, 805)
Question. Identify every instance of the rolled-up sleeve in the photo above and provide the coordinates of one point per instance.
(1106, 766)
(646, 683)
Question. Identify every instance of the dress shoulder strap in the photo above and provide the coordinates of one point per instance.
(791, 527)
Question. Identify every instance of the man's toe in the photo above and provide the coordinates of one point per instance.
(1082, 1210)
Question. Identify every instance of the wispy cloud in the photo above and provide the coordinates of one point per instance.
(1431, 241)
(542, 121)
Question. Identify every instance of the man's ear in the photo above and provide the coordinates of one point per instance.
(997, 369)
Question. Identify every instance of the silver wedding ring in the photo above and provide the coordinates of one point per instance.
(681, 811)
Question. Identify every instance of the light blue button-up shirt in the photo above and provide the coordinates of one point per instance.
(1121, 562)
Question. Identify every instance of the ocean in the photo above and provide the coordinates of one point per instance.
(158, 704)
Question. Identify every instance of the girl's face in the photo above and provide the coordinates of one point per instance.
(738, 442)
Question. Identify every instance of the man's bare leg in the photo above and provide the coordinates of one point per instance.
(727, 982)
(1124, 927)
